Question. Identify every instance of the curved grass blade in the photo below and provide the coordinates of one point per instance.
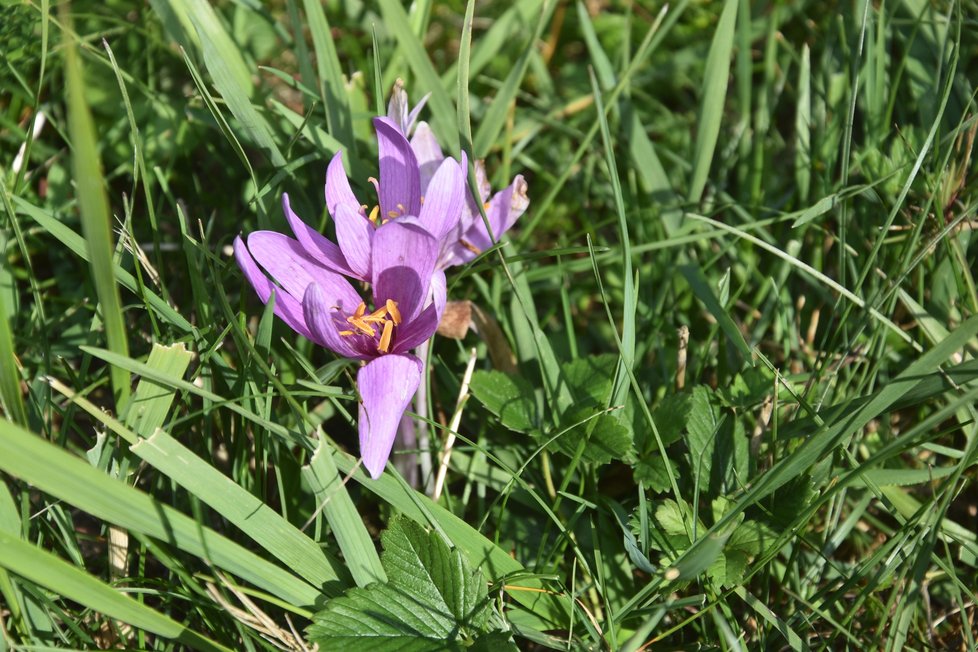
(715, 80)
(93, 205)
(57, 575)
(54, 471)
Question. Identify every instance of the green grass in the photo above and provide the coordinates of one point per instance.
(791, 183)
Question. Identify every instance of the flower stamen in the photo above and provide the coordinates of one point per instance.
(385, 337)
(394, 312)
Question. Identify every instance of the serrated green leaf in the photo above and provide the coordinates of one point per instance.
(702, 427)
(422, 564)
(651, 470)
(670, 518)
(507, 396)
(671, 415)
(590, 378)
(607, 438)
(432, 601)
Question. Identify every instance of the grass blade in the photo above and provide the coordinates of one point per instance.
(331, 85)
(351, 534)
(715, 80)
(94, 208)
(417, 57)
(54, 471)
(55, 574)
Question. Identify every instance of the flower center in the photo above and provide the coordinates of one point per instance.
(383, 319)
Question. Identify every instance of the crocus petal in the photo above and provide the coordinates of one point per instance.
(355, 233)
(338, 190)
(398, 108)
(403, 260)
(427, 151)
(503, 210)
(313, 243)
(284, 260)
(413, 116)
(400, 181)
(386, 386)
(418, 330)
(439, 290)
(286, 306)
(444, 198)
(317, 309)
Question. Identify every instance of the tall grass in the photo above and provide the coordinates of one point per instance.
(725, 377)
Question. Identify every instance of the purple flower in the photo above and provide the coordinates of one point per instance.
(324, 307)
(469, 237)
(395, 248)
(436, 210)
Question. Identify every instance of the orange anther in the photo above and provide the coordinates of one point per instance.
(362, 326)
(376, 316)
(385, 337)
(346, 333)
(394, 312)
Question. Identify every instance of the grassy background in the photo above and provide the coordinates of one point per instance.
(741, 306)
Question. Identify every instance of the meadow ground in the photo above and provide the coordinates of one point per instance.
(715, 389)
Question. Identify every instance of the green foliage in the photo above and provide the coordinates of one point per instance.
(433, 600)
(789, 186)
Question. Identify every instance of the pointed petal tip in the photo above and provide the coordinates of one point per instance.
(386, 385)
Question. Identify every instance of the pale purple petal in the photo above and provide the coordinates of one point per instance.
(444, 198)
(427, 151)
(338, 190)
(354, 233)
(318, 309)
(403, 261)
(439, 290)
(284, 260)
(418, 330)
(482, 181)
(386, 384)
(398, 108)
(313, 243)
(400, 181)
(413, 116)
(287, 307)
(503, 210)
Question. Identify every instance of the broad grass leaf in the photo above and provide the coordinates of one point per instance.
(433, 599)
(509, 397)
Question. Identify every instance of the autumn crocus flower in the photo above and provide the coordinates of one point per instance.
(469, 237)
(324, 307)
(436, 207)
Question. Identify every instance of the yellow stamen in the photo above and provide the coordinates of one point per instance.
(376, 316)
(346, 333)
(374, 212)
(358, 321)
(385, 337)
(468, 245)
(392, 214)
(394, 312)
